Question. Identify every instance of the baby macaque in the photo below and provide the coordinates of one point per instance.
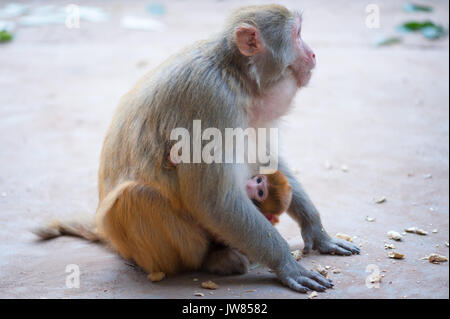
(271, 194)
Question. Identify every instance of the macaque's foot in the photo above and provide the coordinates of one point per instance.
(338, 246)
(327, 245)
(301, 280)
(226, 261)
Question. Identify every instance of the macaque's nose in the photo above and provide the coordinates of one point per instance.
(313, 59)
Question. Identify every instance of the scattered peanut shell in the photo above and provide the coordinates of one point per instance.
(297, 254)
(395, 255)
(375, 278)
(210, 285)
(156, 276)
(344, 236)
(389, 246)
(394, 235)
(312, 295)
(370, 219)
(379, 200)
(321, 270)
(416, 230)
(199, 294)
(336, 271)
(436, 258)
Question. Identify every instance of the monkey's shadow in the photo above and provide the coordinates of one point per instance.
(184, 285)
(260, 277)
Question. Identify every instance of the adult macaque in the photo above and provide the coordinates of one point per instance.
(166, 220)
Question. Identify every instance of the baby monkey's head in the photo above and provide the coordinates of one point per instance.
(271, 194)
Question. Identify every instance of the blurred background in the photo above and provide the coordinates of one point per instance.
(369, 138)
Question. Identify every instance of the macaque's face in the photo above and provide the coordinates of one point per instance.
(305, 59)
(257, 188)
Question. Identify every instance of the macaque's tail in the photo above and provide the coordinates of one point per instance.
(83, 227)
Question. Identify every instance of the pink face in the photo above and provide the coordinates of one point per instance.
(305, 60)
(257, 188)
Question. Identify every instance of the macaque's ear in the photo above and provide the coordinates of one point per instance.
(248, 40)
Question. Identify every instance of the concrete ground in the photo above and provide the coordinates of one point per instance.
(381, 112)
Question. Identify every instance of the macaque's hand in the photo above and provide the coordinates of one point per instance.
(321, 241)
(296, 277)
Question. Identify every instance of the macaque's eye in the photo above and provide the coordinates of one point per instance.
(259, 180)
(260, 193)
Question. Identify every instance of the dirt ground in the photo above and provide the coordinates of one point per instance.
(382, 112)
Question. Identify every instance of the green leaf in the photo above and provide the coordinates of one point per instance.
(428, 29)
(411, 7)
(156, 9)
(385, 41)
(412, 26)
(433, 32)
(5, 36)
